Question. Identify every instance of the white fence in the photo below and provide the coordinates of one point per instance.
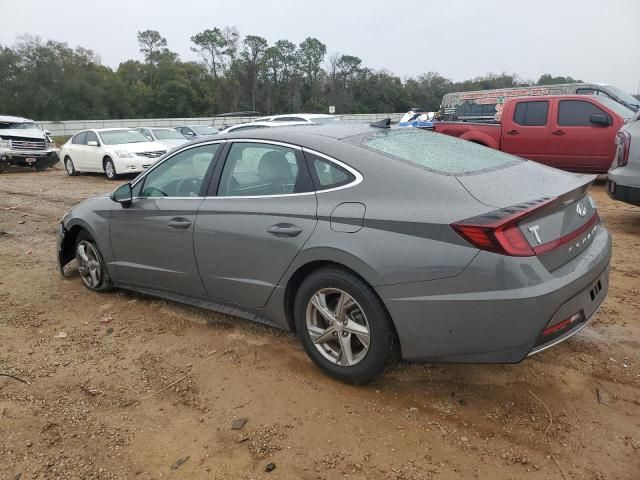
(71, 127)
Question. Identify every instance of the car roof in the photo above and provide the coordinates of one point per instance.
(10, 119)
(307, 116)
(156, 128)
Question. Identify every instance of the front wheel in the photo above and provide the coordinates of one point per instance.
(110, 169)
(69, 167)
(91, 266)
(343, 326)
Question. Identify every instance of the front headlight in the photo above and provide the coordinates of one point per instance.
(124, 154)
(5, 143)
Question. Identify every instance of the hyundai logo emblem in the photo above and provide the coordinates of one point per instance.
(581, 209)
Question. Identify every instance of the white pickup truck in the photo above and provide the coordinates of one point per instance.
(23, 142)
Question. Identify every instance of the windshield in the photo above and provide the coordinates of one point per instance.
(630, 100)
(434, 151)
(204, 130)
(19, 126)
(617, 107)
(118, 137)
(168, 134)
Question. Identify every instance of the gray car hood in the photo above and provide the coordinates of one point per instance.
(22, 132)
(520, 183)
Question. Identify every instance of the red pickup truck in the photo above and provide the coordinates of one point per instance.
(571, 132)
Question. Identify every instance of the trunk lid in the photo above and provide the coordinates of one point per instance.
(551, 208)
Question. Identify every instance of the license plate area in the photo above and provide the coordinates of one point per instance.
(30, 160)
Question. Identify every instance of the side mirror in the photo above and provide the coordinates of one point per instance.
(189, 134)
(47, 132)
(123, 195)
(602, 120)
(92, 143)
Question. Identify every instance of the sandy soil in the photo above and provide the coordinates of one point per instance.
(103, 401)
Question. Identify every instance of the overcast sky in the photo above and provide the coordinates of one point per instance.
(594, 40)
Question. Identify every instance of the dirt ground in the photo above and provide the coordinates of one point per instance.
(103, 401)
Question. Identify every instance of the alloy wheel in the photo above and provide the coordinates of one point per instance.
(69, 166)
(338, 326)
(89, 267)
(110, 170)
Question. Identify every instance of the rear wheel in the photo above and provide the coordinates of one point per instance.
(69, 167)
(343, 325)
(110, 169)
(91, 266)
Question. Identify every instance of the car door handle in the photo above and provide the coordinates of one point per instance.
(513, 132)
(179, 223)
(558, 132)
(284, 230)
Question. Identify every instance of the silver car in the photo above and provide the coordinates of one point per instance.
(367, 242)
(623, 180)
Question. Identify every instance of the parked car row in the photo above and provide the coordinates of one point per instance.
(117, 151)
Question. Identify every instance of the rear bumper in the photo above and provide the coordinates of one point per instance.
(622, 193)
(42, 159)
(497, 310)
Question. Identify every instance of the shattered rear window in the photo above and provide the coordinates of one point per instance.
(434, 151)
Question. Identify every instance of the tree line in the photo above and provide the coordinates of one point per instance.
(48, 80)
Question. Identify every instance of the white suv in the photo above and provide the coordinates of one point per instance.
(113, 151)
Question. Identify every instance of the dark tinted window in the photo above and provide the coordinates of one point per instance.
(327, 174)
(262, 169)
(80, 139)
(531, 114)
(578, 113)
(92, 137)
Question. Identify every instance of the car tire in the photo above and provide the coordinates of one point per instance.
(355, 346)
(110, 169)
(91, 266)
(3, 166)
(69, 167)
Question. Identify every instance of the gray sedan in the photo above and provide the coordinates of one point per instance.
(367, 242)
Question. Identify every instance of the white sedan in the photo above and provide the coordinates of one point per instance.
(113, 151)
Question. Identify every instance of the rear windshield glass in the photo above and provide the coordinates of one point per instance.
(434, 151)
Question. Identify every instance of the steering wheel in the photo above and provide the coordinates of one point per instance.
(188, 187)
(148, 190)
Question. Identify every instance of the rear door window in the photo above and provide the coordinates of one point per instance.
(531, 114)
(577, 113)
(434, 151)
(263, 169)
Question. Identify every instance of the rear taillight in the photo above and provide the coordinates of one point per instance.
(499, 231)
(624, 145)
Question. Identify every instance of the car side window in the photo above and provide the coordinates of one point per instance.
(262, 169)
(531, 114)
(92, 137)
(180, 175)
(577, 113)
(80, 139)
(327, 174)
